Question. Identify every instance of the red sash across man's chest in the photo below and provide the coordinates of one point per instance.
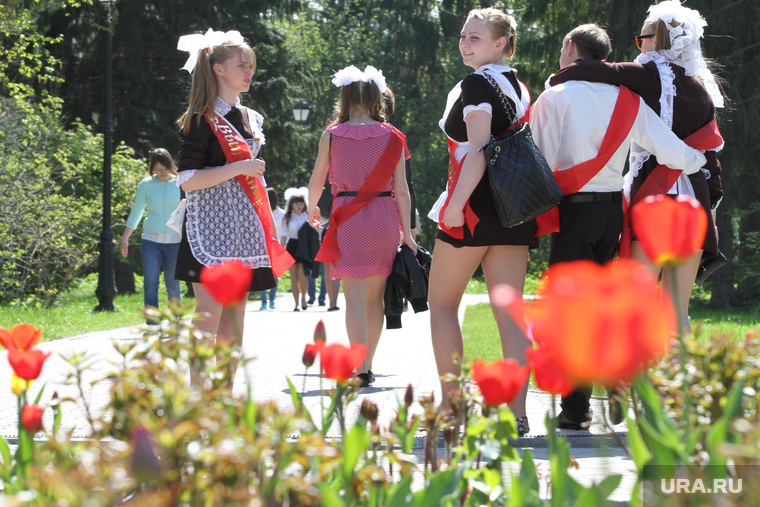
(236, 149)
(573, 179)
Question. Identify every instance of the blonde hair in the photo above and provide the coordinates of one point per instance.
(203, 85)
(500, 24)
(360, 93)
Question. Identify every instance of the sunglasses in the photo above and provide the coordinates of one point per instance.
(640, 38)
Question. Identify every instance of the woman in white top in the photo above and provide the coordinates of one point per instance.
(294, 218)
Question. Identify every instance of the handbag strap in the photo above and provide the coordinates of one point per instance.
(504, 101)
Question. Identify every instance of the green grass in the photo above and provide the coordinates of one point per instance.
(481, 338)
(73, 313)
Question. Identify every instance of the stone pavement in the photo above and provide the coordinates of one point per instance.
(276, 339)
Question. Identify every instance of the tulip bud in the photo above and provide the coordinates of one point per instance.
(19, 385)
(449, 435)
(145, 463)
(31, 418)
(320, 335)
(369, 410)
(409, 395)
(309, 353)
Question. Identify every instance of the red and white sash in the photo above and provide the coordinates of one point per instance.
(236, 149)
(662, 178)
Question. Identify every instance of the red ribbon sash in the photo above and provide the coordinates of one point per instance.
(662, 178)
(381, 173)
(235, 149)
(470, 218)
(573, 179)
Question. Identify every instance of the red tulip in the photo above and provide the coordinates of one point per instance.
(549, 376)
(21, 337)
(27, 365)
(320, 335)
(499, 381)
(309, 354)
(603, 324)
(31, 418)
(670, 230)
(228, 282)
(339, 362)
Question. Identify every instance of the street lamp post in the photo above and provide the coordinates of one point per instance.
(106, 290)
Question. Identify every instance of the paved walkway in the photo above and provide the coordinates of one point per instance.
(276, 339)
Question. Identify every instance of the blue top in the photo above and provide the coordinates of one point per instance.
(161, 198)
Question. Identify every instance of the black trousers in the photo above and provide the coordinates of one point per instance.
(589, 229)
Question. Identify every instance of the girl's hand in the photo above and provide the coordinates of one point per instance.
(254, 168)
(453, 216)
(409, 241)
(315, 216)
(124, 247)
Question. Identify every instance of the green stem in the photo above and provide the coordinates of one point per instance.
(682, 350)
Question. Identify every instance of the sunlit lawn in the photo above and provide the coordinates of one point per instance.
(73, 312)
(481, 339)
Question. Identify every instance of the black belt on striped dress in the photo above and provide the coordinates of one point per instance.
(387, 193)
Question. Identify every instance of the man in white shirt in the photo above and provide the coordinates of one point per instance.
(586, 145)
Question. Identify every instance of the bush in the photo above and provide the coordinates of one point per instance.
(51, 207)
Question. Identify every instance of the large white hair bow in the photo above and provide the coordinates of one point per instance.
(195, 43)
(292, 192)
(352, 74)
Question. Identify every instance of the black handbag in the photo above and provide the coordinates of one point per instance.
(522, 184)
(325, 201)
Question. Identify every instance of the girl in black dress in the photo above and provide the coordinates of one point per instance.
(470, 232)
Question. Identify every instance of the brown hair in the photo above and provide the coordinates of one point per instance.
(389, 101)
(500, 25)
(362, 93)
(661, 33)
(592, 41)
(203, 85)
(274, 199)
(161, 156)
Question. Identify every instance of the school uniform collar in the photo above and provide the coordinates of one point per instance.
(221, 108)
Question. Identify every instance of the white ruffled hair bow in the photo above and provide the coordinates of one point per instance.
(352, 74)
(195, 43)
(301, 191)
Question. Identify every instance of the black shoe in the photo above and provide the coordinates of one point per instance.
(566, 423)
(321, 303)
(615, 406)
(311, 301)
(371, 376)
(523, 428)
(364, 378)
(333, 309)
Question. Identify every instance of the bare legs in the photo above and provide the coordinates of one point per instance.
(223, 324)
(364, 313)
(450, 273)
(685, 275)
(299, 283)
(333, 286)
